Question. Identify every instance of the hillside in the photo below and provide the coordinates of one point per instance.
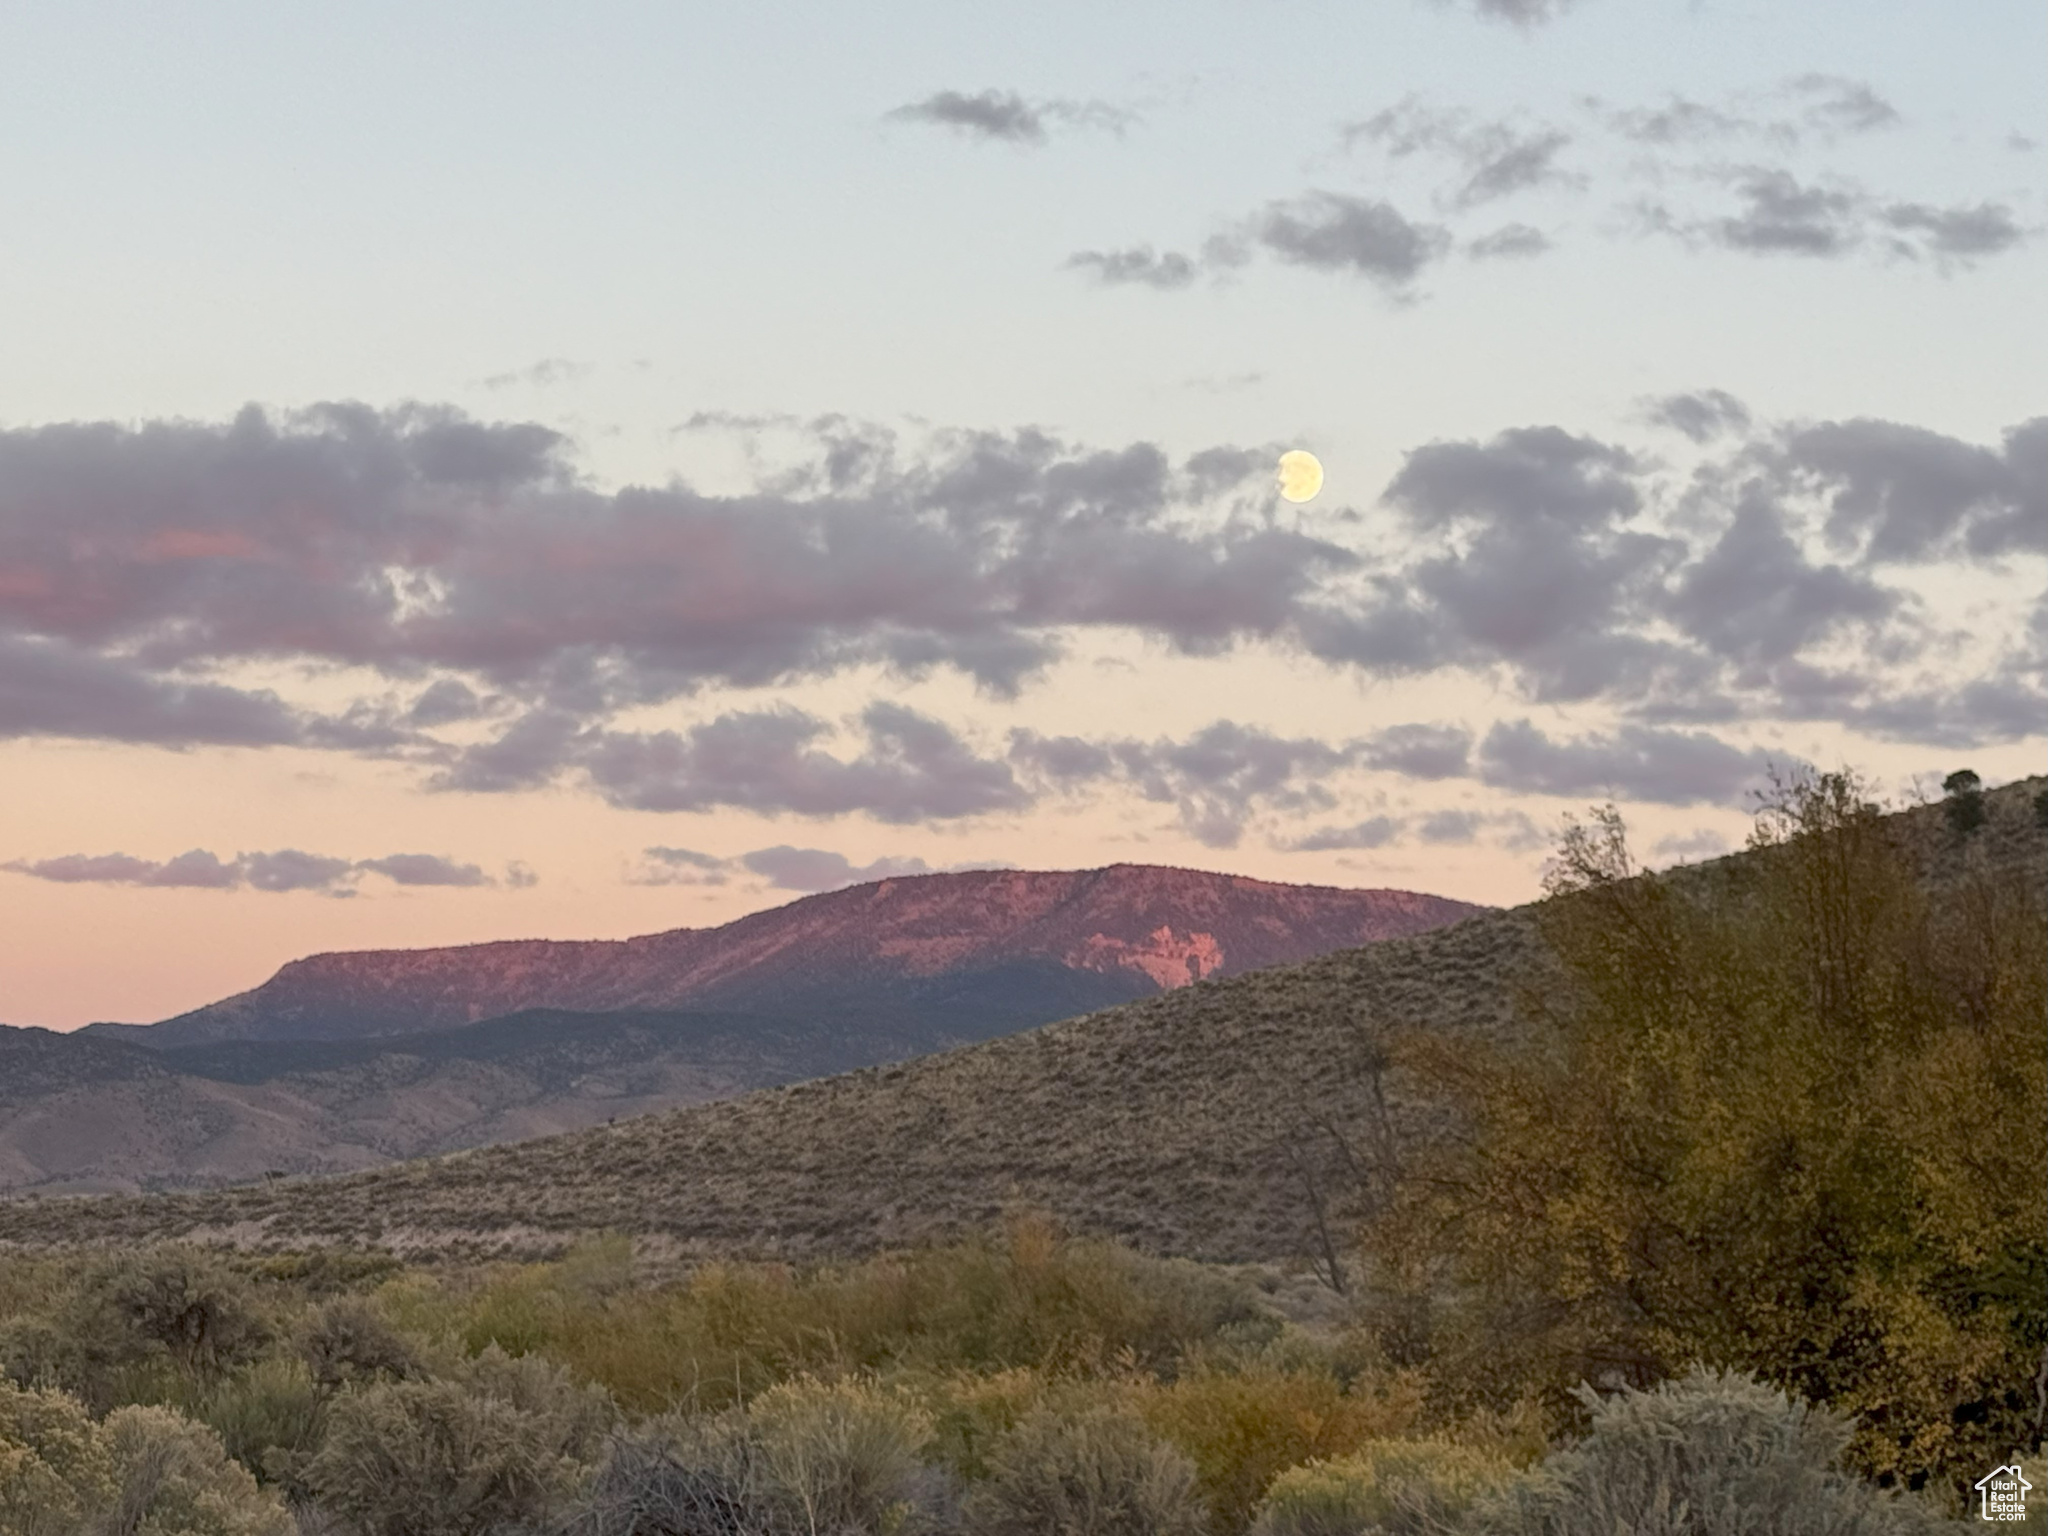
(1029, 944)
(97, 1115)
(1189, 1122)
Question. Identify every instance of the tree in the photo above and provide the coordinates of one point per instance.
(1788, 1117)
(1965, 804)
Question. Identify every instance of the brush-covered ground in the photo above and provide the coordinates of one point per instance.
(1720, 1210)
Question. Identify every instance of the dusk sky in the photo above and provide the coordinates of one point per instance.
(486, 471)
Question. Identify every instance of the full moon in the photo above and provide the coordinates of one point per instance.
(1301, 475)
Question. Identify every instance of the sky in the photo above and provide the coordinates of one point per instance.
(484, 471)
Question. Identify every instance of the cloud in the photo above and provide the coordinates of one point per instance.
(1701, 415)
(419, 543)
(424, 869)
(1495, 159)
(1509, 240)
(548, 371)
(1216, 779)
(1519, 13)
(1363, 237)
(1835, 104)
(1778, 214)
(1419, 751)
(1904, 494)
(1755, 598)
(1642, 763)
(1138, 264)
(913, 768)
(1373, 832)
(282, 870)
(1008, 117)
(1450, 826)
(818, 869)
(1827, 106)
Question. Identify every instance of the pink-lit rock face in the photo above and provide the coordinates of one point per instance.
(1152, 928)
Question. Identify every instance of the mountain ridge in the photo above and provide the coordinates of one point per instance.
(1139, 928)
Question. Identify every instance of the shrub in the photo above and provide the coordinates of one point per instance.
(1099, 1473)
(174, 1300)
(1391, 1486)
(506, 1440)
(841, 1456)
(1713, 1452)
(349, 1340)
(1241, 1430)
(175, 1479)
(645, 1488)
(54, 1469)
(266, 1414)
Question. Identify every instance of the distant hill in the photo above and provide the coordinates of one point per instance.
(91, 1115)
(1190, 1122)
(1026, 946)
(346, 1061)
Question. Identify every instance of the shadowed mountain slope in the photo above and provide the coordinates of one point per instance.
(1034, 945)
(1193, 1122)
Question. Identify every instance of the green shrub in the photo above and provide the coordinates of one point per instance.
(1098, 1473)
(1391, 1486)
(175, 1479)
(506, 1440)
(1711, 1453)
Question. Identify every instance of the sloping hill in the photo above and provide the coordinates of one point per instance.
(1037, 945)
(1191, 1122)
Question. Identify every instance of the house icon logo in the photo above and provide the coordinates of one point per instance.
(2004, 1494)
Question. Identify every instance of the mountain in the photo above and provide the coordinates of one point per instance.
(344, 1062)
(1028, 946)
(1193, 1122)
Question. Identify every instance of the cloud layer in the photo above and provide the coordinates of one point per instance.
(279, 871)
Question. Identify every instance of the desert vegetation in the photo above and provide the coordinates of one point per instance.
(1739, 1227)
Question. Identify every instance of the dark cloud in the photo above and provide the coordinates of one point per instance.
(424, 869)
(1509, 240)
(1138, 264)
(289, 869)
(1701, 415)
(1642, 763)
(1420, 751)
(1333, 232)
(1960, 233)
(913, 768)
(1373, 832)
(1898, 493)
(443, 702)
(1755, 598)
(1007, 116)
(49, 687)
(413, 542)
